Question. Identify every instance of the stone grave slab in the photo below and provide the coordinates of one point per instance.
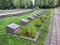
(12, 28)
(35, 16)
(24, 21)
(31, 18)
(38, 14)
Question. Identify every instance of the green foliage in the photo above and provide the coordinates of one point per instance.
(43, 18)
(29, 31)
(37, 22)
(53, 3)
(46, 16)
(46, 3)
(4, 3)
(21, 3)
(16, 3)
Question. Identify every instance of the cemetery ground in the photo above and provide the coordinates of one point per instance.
(45, 18)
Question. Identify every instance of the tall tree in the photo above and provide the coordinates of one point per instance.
(16, 3)
(49, 3)
(4, 3)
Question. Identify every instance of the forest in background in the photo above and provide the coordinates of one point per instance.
(28, 4)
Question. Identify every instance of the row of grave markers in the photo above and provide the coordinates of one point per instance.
(12, 28)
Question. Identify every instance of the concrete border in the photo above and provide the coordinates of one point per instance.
(47, 41)
(15, 14)
(27, 38)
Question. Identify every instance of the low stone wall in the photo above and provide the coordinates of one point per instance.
(15, 14)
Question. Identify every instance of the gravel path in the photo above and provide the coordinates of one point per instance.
(54, 30)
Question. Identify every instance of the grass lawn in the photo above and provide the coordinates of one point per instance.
(14, 40)
(13, 19)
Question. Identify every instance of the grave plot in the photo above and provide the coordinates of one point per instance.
(26, 32)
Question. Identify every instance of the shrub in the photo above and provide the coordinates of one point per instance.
(28, 30)
(43, 18)
(23, 31)
(46, 16)
(31, 30)
(37, 22)
(22, 3)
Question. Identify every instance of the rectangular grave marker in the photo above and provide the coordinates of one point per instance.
(38, 14)
(12, 28)
(35, 16)
(31, 18)
(24, 21)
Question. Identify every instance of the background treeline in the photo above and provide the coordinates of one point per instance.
(4, 4)
(23, 3)
(15, 4)
(47, 3)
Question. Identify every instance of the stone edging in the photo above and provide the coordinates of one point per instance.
(47, 41)
(27, 38)
(15, 14)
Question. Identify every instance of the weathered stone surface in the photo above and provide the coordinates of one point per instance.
(31, 18)
(24, 21)
(31, 39)
(12, 28)
(38, 14)
(14, 13)
(35, 16)
(27, 38)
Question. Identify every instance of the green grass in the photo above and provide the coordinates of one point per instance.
(14, 40)
(28, 30)
(13, 19)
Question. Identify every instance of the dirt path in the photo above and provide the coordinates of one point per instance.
(54, 33)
